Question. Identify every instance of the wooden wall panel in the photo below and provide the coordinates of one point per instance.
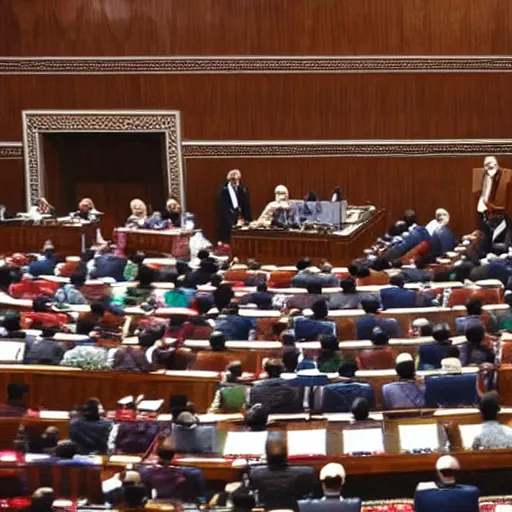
(392, 183)
(258, 27)
(12, 184)
(302, 106)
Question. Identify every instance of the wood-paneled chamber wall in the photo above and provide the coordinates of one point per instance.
(367, 98)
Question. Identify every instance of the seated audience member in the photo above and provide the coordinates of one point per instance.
(504, 321)
(42, 500)
(329, 280)
(136, 295)
(86, 354)
(130, 358)
(430, 355)
(349, 299)
(493, 435)
(261, 297)
(421, 327)
(110, 265)
(256, 418)
(89, 430)
(15, 405)
(418, 274)
(45, 265)
(329, 360)
(167, 482)
(371, 319)
(11, 327)
(310, 329)
(48, 441)
(273, 368)
(44, 349)
(177, 298)
(233, 326)
(230, 393)
(474, 351)
(217, 358)
(406, 393)
(222, 295)
(41, 316)
(125, 489)
(332, 477)
(71, 293)
(474, 312)
(360, 409)
(279, 485)
(290, 360)
(381, 356)
(306, 300)
(198, 327)
(396, 296)
(446, 495)
(191, 437)
(202, 275)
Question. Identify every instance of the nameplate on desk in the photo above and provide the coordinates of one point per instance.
(245, 443)
(217, 418)
(363, 440)
(307, 442)
(54, 415)
(124, 459)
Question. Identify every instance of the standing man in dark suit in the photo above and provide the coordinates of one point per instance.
(234, 205)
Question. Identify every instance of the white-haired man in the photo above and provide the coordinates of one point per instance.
(233, 204)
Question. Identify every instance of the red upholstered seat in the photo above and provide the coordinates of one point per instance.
(418, 250)
(374, 279)
(459, 296)
(30, 289)
(94, 291)
(376, 358)
(212, 361)
(281, 278)
(33, 320)
(345, 328)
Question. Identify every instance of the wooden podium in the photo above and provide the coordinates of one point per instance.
(286, 247)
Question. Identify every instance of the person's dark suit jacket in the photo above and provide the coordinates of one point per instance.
(43, 351)
(394, 297)
(303, 279)
(228, 216)
(282, 487)
(262, 299)
(331, 504)
(366, 323)
(90, 436)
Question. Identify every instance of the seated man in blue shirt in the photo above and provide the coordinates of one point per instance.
(446, 495)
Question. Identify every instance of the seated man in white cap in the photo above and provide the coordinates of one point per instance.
(446, 495)
(332, 478)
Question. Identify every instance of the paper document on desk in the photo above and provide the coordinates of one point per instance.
(245, 443)
(363, 440)
(125, 459)
(54, 415)
(468, 434)
(216, 418)
(307, 442)
(419, 437)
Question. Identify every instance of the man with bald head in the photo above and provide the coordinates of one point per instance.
(233, 204)
(279, 485)
(491, 185)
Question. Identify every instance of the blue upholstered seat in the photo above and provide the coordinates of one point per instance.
(309, 329)
(339, 397)
(451, 390)
(457, 498)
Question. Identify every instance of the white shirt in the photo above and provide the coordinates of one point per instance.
(432, 226)
(233, 196)
(486, 192)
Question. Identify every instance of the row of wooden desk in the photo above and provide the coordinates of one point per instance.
(65, 388)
